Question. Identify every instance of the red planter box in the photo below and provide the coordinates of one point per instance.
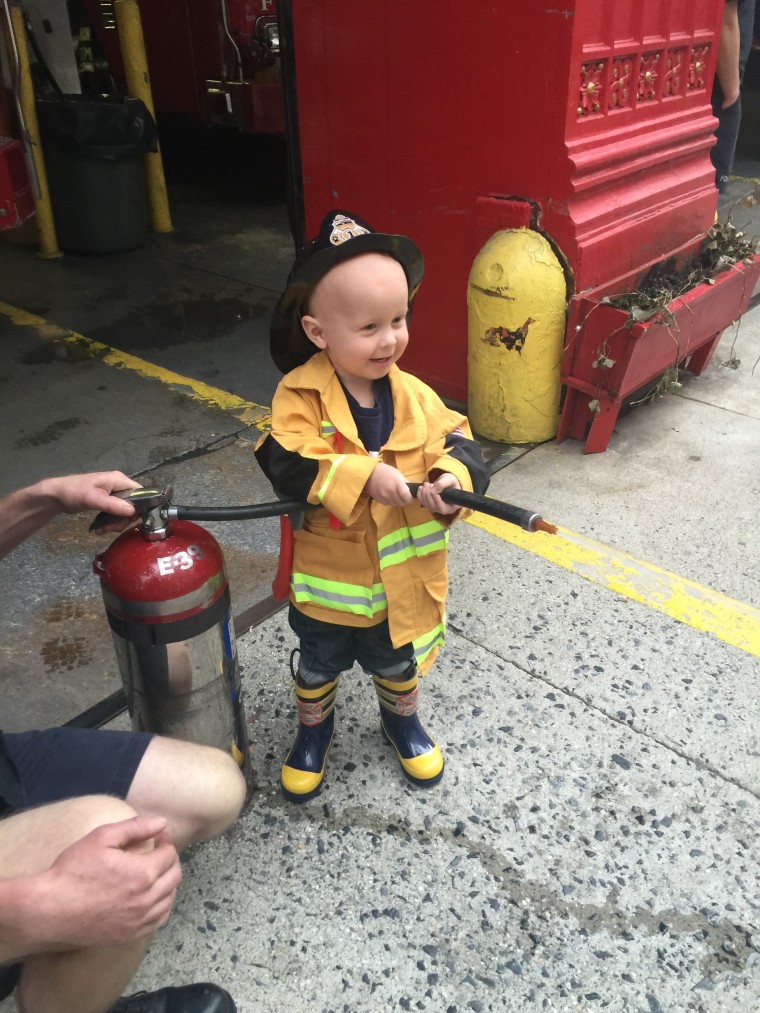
(685, 335)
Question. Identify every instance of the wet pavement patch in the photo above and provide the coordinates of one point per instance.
(48, 434)
(177, 320)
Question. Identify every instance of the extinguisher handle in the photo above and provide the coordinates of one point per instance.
(104, 520)
(143, 500)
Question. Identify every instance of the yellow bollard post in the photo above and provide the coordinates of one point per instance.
(516, 307)
(45, 224)
(129, 27)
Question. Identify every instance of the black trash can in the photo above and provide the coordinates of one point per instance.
(93, 149)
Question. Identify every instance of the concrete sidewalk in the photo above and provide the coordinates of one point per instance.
(594, 842)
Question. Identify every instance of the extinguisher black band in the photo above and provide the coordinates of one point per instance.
(171, 633)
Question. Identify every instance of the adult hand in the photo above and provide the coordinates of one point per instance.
(388, 486)
(29, 509)
(91, 492)
(114, 885)
(429, 494)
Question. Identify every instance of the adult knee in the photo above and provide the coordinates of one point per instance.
(223, 791)
(93, 811)
(199, 789)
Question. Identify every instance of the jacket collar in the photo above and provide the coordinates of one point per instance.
(409, 423)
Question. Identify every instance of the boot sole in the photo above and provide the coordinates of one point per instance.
(420, 782)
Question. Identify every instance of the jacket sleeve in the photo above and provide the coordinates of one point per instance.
(463, 458)
(301, 463)
(452, 448)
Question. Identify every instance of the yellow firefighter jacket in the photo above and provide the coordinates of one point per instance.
(357, 561)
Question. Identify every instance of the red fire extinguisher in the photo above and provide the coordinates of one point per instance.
(167, 600)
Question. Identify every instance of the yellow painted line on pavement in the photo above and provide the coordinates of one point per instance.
(684, 600)
(249, 413)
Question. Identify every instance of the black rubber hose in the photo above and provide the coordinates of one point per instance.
(528, 520)
(251, 512)
(101, 713)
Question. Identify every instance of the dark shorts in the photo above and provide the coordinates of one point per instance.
(328, 649)
(61, 763)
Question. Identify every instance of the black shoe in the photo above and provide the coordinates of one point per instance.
(201, 998)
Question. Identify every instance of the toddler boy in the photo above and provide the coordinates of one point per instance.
(349, 431)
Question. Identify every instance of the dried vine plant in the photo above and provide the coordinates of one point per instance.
(724, 246)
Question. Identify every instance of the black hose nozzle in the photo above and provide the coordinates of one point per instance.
(528, 520)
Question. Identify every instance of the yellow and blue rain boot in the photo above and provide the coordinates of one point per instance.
(420, 758)
(304, 769)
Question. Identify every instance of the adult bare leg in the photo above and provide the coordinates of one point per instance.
(198, 789)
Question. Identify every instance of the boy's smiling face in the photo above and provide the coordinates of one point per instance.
(357, 313)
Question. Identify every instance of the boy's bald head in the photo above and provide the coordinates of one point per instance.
(353, 281)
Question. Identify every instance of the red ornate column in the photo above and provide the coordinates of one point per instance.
(634, 182)
(587, 121)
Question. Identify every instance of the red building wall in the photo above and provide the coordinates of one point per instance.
(410, 112)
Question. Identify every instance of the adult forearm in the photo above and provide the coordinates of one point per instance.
(727, 66)
(20, 922)
(24, 512)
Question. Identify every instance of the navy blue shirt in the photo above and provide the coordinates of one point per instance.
(374, 424)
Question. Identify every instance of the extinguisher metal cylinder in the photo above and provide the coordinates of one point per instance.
(168, 606)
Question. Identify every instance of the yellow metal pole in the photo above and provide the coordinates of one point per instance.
(45, 224)
(129, 27)
(516, 304)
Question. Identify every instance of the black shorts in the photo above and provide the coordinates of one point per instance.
(327, 649)
(61, 763)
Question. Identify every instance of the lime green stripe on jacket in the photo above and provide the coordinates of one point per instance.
(330, 475)
(404, 543)
(428, 641)
(333, 594)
